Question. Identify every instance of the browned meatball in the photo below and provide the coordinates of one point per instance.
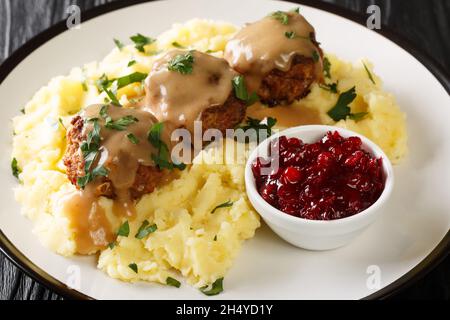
(147, 177)
(279, 87)
(223, 117)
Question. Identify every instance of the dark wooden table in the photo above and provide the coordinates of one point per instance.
(425, 23)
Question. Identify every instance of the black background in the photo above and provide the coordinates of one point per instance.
(425, 23)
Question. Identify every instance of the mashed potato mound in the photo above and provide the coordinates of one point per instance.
(190, 240)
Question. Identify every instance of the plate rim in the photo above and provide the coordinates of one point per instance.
(435, 257)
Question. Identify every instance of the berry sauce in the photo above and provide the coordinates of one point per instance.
(331, 179)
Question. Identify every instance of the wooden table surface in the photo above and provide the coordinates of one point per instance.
(425, 23)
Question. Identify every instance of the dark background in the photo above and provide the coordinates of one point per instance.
(425, 23)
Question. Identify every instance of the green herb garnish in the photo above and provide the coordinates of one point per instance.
(332, 87)
(177, 45)
(132, 62)
(145, 229)
(280, 16)
(256, 124)
(84, 86)
(326, 67)
(173, 282)
(111, 245)
(223, 205)
(15, 168)
(140, 41)
(134, 267)
(119, 44)
(129, 79)
(112, 97)
(216, 288)
(341, 110)
(124, 229)
(368, 73)
(295, 10)
(215, 238)
(120, 124)
(133, 139)
(90, 176)
(315, 56)
(162, 159)
(240, 91)
(61, 123)
(358, 116)
(182, 63)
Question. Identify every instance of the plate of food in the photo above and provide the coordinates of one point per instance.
(189, 150)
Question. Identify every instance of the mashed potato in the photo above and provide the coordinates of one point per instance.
(190, 240)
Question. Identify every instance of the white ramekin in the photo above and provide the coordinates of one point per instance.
(317, 234)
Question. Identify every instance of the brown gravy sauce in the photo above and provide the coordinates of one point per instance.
(122, 158)
(262, 46)
(180, 98)
(287, 116)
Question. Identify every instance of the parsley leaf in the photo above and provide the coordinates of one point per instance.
(173, 282)
(295, 10)
(162, 158)
(332, 87)
(133, 139)
(140, 41)
(119, 44)
(358, 116)
(131, 78)
(133, 266)
(145, 230)
(240, 91)
(368, 73)
(177, 45)
(111, 245)
(280, 16)
(289, 34)
(15, 168)
(112, 97)
(216, 288)
(256, 124)
(223, 205)
(120, 124)
(132, 62)
(124, 229)
(326, 67)
(315, 56)
(341, 110)
(182, 63)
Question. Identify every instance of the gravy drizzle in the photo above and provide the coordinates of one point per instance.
(262, 46)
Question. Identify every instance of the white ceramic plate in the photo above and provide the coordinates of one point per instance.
(415, 221)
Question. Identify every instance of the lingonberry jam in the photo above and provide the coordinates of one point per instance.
(330, 179)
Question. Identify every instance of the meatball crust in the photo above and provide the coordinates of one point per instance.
(225, 116)
(279, 87)
(147, 177)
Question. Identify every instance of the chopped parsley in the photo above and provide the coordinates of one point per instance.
(216, 288)
(358, 116)
(140, 41)
(145, 229)
(368, 73)
(182, 63)
(133, 139)
(84, 86)
(341, 109)
(90, 151)
(119, 44)
(223, 205)
(15, 168)
(293, 35)
(295, 10)
(173, 282)
(124, 229)
(240, 91)
(256, 124)
(315, 56)
(133, 266)
(280, 16)
(112, 97)
(326, 67)
(162, 158)
(130, 78)
(120, 124)
(177, 45)
(62, 123)
(102, 82)
(332, 87)
(132, 62)
(104, 111)
(111, 245)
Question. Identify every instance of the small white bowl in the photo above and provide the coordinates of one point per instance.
(317, 234)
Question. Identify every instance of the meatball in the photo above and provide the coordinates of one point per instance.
(279, 87)
(225, 116)
(146, 180)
